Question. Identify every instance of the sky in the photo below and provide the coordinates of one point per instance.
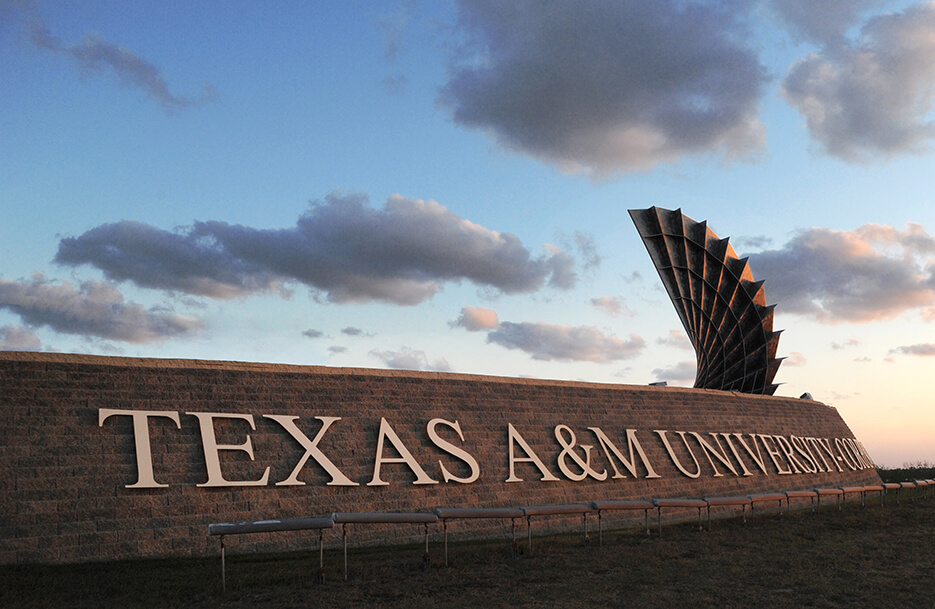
(444, 186)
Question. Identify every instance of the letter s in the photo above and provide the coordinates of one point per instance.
(453, 450)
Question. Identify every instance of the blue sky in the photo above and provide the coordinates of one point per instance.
(445, 186)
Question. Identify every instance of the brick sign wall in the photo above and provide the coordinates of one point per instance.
(116, 457)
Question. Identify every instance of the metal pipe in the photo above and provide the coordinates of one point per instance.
(223, 569)
(344, 533)
(600, 530)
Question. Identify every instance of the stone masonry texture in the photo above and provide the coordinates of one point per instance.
(64, 476)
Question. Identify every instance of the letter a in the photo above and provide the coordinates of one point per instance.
(530, 458)
(404, 457)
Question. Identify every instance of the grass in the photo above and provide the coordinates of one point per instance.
(871, 557)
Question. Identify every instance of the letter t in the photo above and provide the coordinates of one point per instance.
(144, 455)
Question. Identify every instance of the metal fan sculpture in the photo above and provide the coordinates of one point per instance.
(721, 307)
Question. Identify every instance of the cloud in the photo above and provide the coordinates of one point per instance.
(914, 238)
(351, 331)
(18, 338)
(565, 343)
(13, 12)
(395, 84)
(586, 247)
(677, 339)
(682, 372)
(922, 349)
(548, 341)
(193, 263)
(562, 271)
(402, 254)
(335, 349)
(602, 87)
(874, 272)
(611, 305)
(872, 97)
(95, 308)
(313, 333)
(476, 319)
(851, 342)
(820, 22)
(410, 359)
(393, 26)
(95, 55)
(757, 243)
(794, 359)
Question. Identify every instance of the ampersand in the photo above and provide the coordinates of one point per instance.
(567, 451)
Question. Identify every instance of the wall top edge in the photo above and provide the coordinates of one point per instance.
(196, 364)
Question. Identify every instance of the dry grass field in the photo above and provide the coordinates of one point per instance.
(858, 557)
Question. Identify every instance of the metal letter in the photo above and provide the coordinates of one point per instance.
(773, 453)
(678, 464)
(530, 458)
(787, 451)
(825, 445)
(861, 449)
(709, 450)
(451, 449)
(585, 463)
(405, 457)
(802, 448)
(758, 457)
(859, 453)
(144, 455)
(211, 449)
(733, 450)
(609, 448)
(845, 454)
(311, 450)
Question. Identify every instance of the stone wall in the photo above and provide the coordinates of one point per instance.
(73, 488)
